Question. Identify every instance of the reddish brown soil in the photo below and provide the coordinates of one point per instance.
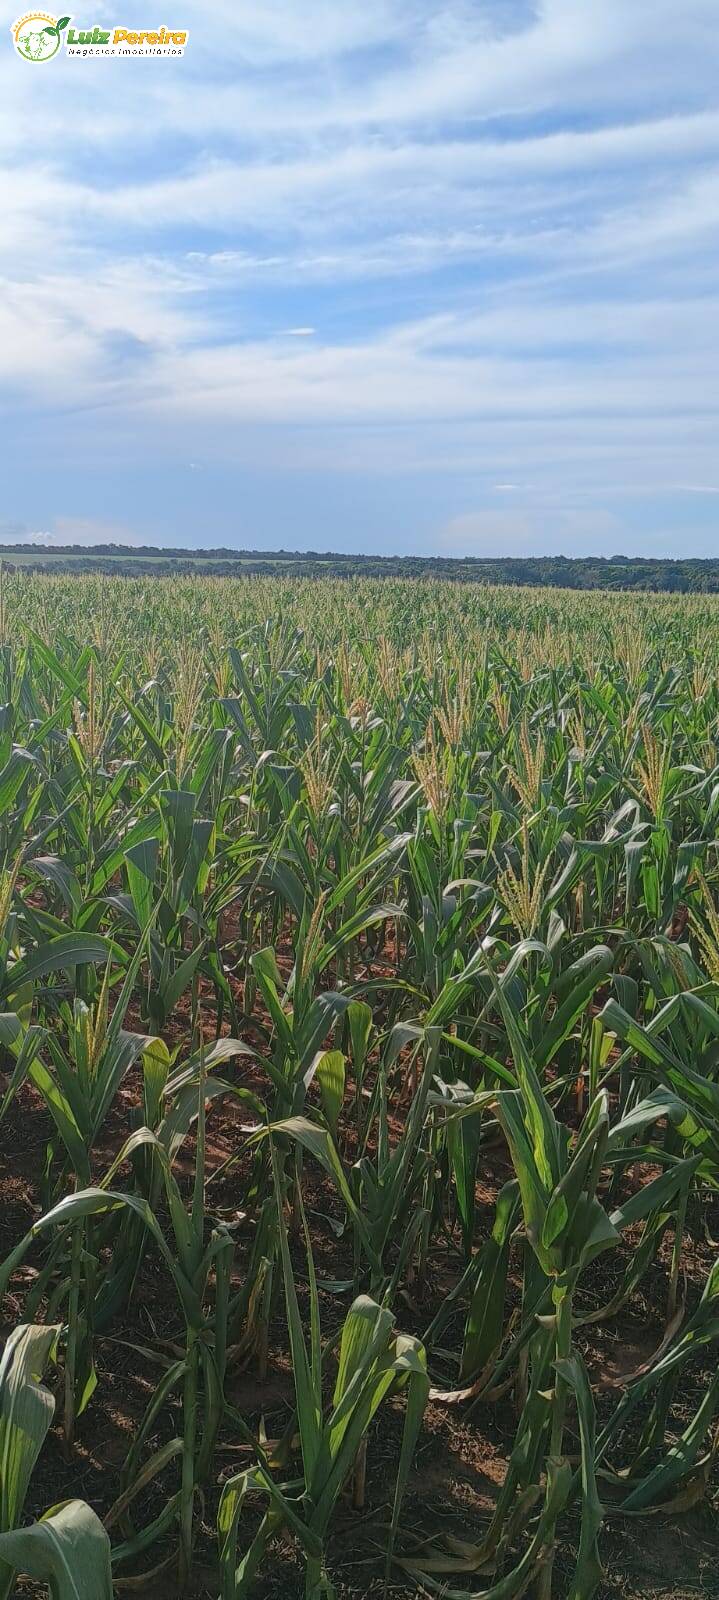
(460, 1461)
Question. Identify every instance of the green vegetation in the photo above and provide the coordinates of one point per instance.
(557, 572)
(359, 953)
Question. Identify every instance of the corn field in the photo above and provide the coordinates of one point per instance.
(359, 946)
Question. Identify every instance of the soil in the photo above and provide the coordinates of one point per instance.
(461, 1459)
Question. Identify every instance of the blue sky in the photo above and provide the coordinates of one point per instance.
(391, 276)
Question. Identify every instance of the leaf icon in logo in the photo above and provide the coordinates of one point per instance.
(56, 28)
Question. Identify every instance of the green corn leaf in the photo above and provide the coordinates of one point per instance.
(410, 1366)
(68, 1549)
(172, 990)
(309, 1401)
(266, 970)
(141, 862)
(318, 1143)
(535, 1197)
(588, 1571)
(582, 1174)
(72, 1127)
(13, 776)
(26, 1413)
(656, 1195)
(680, 1458)
(330, 1074)
(359, 1017)
(584, 984)
(463, 1136)
(32, 1041)
(365, 1332)
(67, 950)
(485, 1319)
(138, 716)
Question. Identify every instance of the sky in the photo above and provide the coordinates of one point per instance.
(367, 275)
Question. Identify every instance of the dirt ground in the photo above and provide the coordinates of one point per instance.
(460, 1461)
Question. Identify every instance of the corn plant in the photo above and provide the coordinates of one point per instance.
(445, 857)
(68, 1548)
(373, 1362)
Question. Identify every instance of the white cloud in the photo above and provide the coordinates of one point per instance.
(394, 177)
(460, 239)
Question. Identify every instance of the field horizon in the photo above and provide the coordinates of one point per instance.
(614, 573)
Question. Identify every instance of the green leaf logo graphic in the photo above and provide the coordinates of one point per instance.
(56, 28)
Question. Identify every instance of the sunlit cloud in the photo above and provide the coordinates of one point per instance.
(471, 244)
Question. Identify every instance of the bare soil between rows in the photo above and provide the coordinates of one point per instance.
(461, 1459)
